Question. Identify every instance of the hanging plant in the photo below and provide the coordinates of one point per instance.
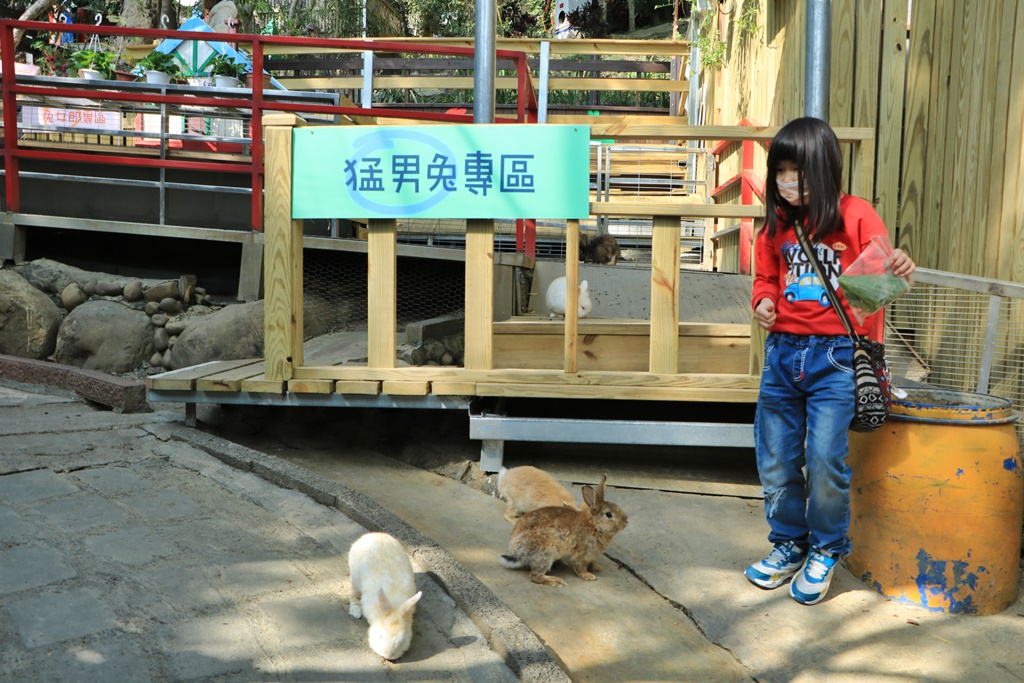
(95, 59)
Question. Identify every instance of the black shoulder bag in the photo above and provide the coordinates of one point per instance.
(870, 372)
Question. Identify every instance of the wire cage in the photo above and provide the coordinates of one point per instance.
(334, 289)
(960, 333)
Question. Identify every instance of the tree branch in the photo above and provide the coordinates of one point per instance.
(33, 12)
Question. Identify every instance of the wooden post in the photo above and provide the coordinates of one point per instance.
(572, 289)
(250, 277)
(382, 292)
(665, 296)
(282, 254)
(479, 347)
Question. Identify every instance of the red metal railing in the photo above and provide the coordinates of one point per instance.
(751, 184)
(10, 88)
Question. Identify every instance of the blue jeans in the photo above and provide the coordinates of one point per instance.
(803, 416)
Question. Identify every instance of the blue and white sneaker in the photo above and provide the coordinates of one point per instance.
(782, 563)
(811, 584)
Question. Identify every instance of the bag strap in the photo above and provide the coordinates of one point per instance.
(826, 282)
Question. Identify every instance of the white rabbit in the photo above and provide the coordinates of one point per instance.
(383, 589)
(556, 299)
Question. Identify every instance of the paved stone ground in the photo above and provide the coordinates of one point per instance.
(128, 556)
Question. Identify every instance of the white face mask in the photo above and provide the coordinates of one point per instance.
(791, 192)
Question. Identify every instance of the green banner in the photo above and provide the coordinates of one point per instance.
(471, 171)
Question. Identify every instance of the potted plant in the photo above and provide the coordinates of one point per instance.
(123, 66)
(96, 64)
(226, 71)
(158, 67)
(53, 60)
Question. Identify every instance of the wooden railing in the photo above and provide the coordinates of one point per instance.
(580, 66)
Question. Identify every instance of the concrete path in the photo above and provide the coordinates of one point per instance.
(135, 549)
(128, 555)
(676, 608)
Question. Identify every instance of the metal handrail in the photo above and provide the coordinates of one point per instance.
(257, 102)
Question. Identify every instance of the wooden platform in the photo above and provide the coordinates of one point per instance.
(528, 357)
(619, 345)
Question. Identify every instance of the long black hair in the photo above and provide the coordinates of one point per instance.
(812, 145)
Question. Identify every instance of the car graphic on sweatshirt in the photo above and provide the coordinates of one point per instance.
(807, 288)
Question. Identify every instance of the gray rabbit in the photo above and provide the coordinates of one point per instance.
(600, 249)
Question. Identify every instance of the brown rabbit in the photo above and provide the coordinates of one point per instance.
(528, 488)
(601, 249)
(577, 537)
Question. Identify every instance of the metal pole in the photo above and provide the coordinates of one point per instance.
(367, 99)
(816, 75)
(542, 86)
(484, 61)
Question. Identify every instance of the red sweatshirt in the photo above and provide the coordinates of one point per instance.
(784, 275)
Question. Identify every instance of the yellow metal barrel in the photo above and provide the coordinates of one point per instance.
(936, 502)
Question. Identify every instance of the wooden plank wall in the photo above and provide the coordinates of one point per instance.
(962, 168)
(764, 76)
(944, 97)
(963, 158)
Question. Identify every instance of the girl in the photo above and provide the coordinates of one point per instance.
(805, 404)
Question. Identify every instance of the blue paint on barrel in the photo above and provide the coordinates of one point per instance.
(933, 580)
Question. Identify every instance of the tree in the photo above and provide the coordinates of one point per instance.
(31, 13)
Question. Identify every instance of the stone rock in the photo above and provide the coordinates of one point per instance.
(152, 308)
(72, 296)
(29, 319)
(108, 289)
(167, 358)
(52, 276)
(162, 291)
(413, 354)
(231, 333)
(157, 360)
(90, 287)
(161, 339)
(159, 319)
(105, 335)
(132, 291)
(446, 359)
(171, 342)
(169, 305)
(49, 276)
(176, 327)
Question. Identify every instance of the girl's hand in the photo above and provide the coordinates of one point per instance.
(900, 264)
(765, 313)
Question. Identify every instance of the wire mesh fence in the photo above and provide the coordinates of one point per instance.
(633, 236)
(334, 288)
(960, 333)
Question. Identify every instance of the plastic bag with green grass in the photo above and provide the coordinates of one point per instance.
(868, 284)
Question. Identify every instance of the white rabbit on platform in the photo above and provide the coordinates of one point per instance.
(556, 299)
